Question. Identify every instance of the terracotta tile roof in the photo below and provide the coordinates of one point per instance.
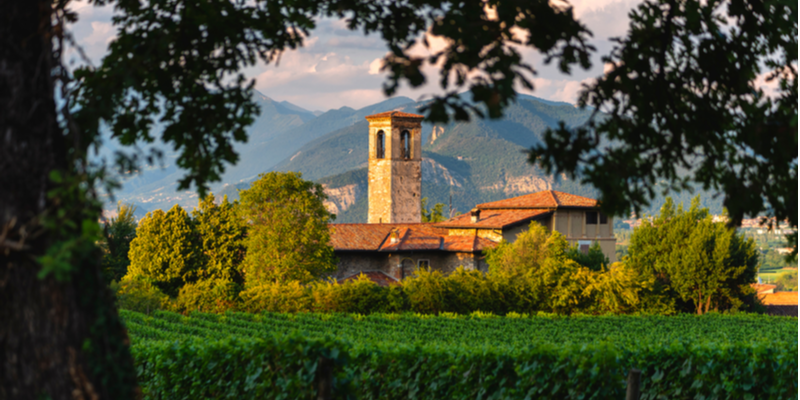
(358, 236)
(420, 237)
(494, 219)
(543, 199)
(394, 114)
(379, 277)
(779, 299)
(762, 287)
(410, 237)
(466, 244)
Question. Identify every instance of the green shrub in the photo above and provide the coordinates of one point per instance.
(289, 297)
(396, 299)
(468, 291)
(426, 292)
(210, 295)
(137, 293)
(359, 296)
(595, 260)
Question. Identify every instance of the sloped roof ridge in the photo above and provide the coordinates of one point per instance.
(541, 200)
(385, 237)
(552, 194)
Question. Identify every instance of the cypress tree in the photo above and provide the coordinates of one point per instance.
(166, 250)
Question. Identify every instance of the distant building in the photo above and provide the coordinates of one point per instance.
(762, 288)
(780, 303)
(394, 243)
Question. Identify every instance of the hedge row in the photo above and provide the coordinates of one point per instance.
(286, 367)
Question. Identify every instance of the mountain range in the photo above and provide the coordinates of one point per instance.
(464, 163)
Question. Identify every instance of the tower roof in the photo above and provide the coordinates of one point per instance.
(394, 114)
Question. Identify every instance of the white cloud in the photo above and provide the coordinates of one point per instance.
(375, 66)
(583, 7)
(771, 88)
(102, 33)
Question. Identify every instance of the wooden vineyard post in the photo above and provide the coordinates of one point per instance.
(634, 380)
(324, 379)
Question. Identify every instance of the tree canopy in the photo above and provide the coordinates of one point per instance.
(435, 214)
(166, 249)
(222, 234)
(681, 107)
(117, 236)
(700, 264)
(288, 236)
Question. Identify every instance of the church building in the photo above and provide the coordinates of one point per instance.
(395, 243)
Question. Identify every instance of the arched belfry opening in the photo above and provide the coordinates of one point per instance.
(380, 145)
(395, 178)
(405, 145)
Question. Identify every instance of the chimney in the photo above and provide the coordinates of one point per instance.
(475, 215)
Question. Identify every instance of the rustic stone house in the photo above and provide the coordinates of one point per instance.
(394, 243)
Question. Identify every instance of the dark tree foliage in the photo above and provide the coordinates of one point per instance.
(679, 107)
(178, 63)
(434, 214)
(594, 259)
(117, 236)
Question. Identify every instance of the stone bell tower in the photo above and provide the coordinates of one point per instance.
(395, 177)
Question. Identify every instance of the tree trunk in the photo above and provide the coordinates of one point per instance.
(58, 339)
(700, 303)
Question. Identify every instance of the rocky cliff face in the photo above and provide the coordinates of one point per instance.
(513, 185)
(527, 184)
(434, 172)
(342, 198)
(436, 133)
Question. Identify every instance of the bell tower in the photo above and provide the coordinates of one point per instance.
(395, 177)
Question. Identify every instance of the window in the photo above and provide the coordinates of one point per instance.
(379, 147)
(583, 246)
(423, 264)
(591, 218)
(405, 145)
(603, 218)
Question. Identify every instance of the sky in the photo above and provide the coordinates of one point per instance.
(338, 67)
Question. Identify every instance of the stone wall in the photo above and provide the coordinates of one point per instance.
(404, 264)
(494, 235)
(380, 185)
(405, 192)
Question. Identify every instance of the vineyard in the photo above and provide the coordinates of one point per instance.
(239, 355)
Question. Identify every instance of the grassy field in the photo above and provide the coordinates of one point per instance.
(771, 275)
